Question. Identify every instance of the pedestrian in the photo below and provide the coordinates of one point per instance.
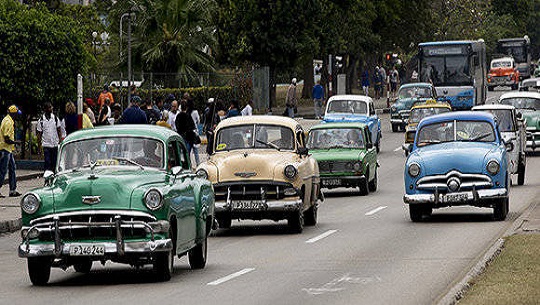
(233, 109)
(221, 110)
(185, 126)
(210, 121)
(105, 113)
(89, 112)
(248, 109)
(384, 81)
(394, 80)
(196, 121)
(152, 113)
(377, 81)
(105, 94)
(71, 118)
(164, 119)
(318, 99)
(7, 146)
(133, 114)
(291, 100)
(49, 135)
(86, 121)
(116, 114)
(168, 101)
(172, 114)
(365, 82)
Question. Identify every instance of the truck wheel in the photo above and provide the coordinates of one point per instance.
(296, 222)
(521, 174)
(310, 216)
(364, 187)
(163, 265)
(39, 270)
(500, 210)
(394, 127)
(83, 267)
(197, 256)
(372, 185)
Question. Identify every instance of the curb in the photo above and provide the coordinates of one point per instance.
(26, 177)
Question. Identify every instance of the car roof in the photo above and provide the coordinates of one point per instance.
(458, 115)
(351, 97)
(339, 125)
(502, 59)
(259, 119)
(143, 130)
(520, 94)
(494, 106)
(416, 85)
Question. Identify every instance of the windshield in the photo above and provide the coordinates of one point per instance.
(347, 106)
(504, 119)
(255, 136)
(501, 64)
(446, 70)
(518, 52)
(469, 131)
(335, 138)
(415, 92)
(112, 151)
(522, 102)
(417, 114)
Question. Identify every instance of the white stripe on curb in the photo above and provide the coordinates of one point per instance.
(230, 277)
(324, 235)
(375, 210)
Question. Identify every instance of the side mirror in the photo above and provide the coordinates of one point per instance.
(519, 116)
(48, 176)
(303, 151)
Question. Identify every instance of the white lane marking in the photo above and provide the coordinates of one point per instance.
(230, 277)
(317, 238)
(375, 210)
(398, 149)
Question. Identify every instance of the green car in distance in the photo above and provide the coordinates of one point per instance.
(123, 193)
(345, 154)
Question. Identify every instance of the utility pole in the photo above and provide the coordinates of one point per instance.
(129, 57)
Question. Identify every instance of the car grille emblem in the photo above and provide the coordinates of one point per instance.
(453, 184)
(245, 174)
(91, 200)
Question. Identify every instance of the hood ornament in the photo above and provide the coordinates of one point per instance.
(91, 200)
(245, 174)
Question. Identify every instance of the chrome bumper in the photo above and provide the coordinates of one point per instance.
(533, 139)
(456, 198)
(398, 121)
(269, 206)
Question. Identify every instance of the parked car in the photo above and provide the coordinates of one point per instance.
(354, 108)
(503, 72)
(345, 154)
(528, 104)
(407, 95)
(418, 112)
(260, 169)
(457, 158)
(120, 193)
(512, 129)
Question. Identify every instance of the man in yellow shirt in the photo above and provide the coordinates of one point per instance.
(7, 146)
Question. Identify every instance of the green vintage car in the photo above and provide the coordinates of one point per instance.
(345, 154)
(527, 105)
(120, 193)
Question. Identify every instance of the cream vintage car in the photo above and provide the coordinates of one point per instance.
(260, 169)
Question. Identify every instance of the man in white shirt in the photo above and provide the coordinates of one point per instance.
(248, 110)
(172, 114)
(49, 134)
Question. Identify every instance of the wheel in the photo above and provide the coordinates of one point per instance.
(224, 222)
(364, 187)
(490, 88)
(521, 174)
(83, 267)
(372, 185)
(197, 256)
(394, 127)
(39, 270)
(296, 222)
(378, 144)
(310, 216)
(163, 265)
(500, 210)
(406, 153)
(416, 212)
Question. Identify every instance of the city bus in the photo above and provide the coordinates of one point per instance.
(519, 49)
(457, 69)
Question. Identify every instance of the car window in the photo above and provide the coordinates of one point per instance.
(501, 64)
(183, 156)
(255, 136)
(336, 138)
(504, 119)
(527, 103)
(415, 92)
(417, 114)
(174, 159)
(112, 151)
(347, 106)
(466, 131)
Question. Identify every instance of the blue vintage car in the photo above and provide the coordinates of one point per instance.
(408, 94)
(355, 108)
(457, 158)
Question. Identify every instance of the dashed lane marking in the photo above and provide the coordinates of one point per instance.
(324, 235)
(230, 276)
(375, 210)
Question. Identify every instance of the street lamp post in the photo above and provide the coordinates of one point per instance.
(129, 16)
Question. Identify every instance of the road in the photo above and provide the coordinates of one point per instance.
(364, 250)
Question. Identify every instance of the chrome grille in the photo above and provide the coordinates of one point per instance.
(404, 114)
(466, 182)
(270, 190)
(335, 167)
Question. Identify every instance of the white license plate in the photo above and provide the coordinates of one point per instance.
(455, 197)
(248, 204)
(86, 250)
(331, 182)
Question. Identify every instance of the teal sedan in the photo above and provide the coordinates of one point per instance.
(120, 193)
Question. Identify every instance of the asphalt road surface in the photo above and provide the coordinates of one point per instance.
(364, 250)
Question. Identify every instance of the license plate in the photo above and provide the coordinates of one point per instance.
(331, 182)
(455, 197)
(86, 250)
(248, 205)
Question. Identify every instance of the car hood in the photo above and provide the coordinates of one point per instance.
(501, 71)
(345, 117)
(254, 164)
(337, 154)
(113, 187)
(531, 118)
(465, 157)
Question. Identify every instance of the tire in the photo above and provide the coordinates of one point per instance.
(197, 256)
(378, 144)
(372, 185)
(394, 127)
(310, 216)
(83, 267)
(416, 212)
(490, 88)
(500, 210)
(364, 187)
(39, 270)
(521, 174)
(224, 222)
(163, 265)
(296, 222)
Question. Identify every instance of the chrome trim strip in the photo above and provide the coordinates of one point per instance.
(472, 196)
(93, 213)
(271, 206)
(460, 175)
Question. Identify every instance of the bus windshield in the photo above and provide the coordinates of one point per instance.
(446, 70)
(518, 52)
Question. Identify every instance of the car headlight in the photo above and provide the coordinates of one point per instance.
(493, 167)
(153, 199)
(30, 203)
(414, 169)
(290, 171)
(357, 167)
(201, 173)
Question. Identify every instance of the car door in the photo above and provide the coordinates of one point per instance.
(373, 123)
(182, 197)
(371, 153)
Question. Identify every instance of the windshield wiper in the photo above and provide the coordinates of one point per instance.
(426, 142)
(268, 144)
(480, 137)
(128, 161)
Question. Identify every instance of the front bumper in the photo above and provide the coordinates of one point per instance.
(268, 206)
(533, 139)
(399, 121)
(502, 82)
(341, 181)
(474, 197)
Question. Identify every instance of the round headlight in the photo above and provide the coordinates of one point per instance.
(357, 167)
(290, 171)
(201, 173)
(414, 170)
(30, 203)
(493, 167)
(153, 199)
